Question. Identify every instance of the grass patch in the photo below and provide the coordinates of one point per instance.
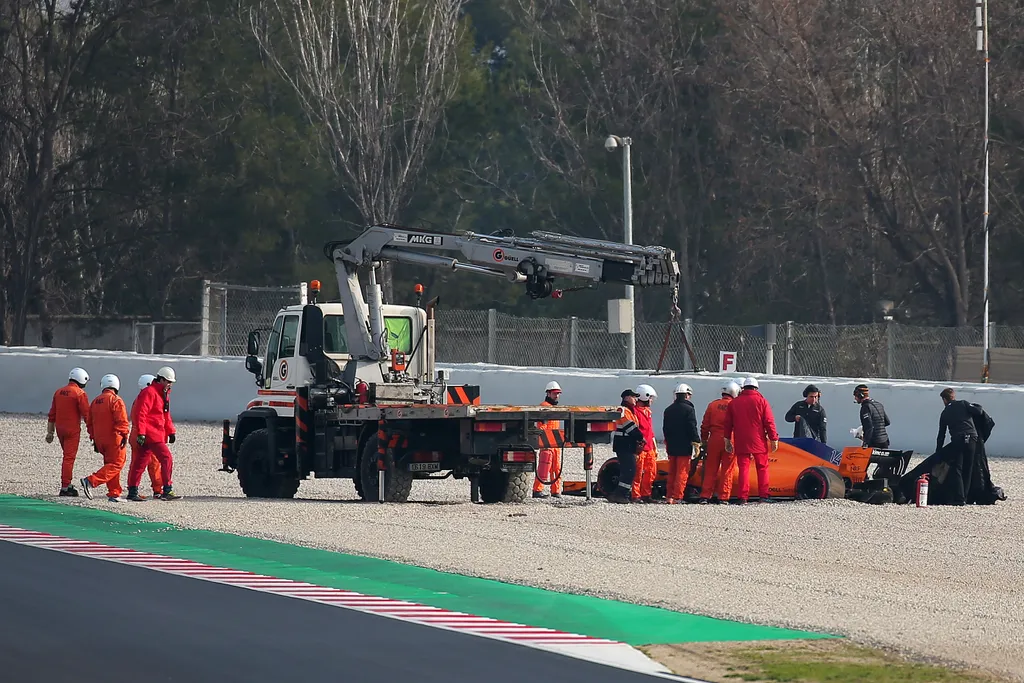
(836, 661)
(849, 664)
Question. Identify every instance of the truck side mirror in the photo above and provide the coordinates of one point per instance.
(253, 345)
(253, 365)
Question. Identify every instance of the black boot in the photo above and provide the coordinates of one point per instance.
(169, 494)
(133, 494)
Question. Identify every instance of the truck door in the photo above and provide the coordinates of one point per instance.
(273, 350)
(282, 367)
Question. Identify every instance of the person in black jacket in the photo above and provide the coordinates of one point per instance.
(873, 419)
(682, 442)
(809, 416)
(981, 490)
(958, 417)
(627, 443)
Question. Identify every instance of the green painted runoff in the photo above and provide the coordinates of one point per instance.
(597, 617)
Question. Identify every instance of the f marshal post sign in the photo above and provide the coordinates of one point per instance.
(727, 361)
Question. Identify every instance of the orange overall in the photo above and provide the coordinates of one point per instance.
(69, 408)
(154, 465)
(109, 430)
(647, 461)
(720, 466)
(549, 460)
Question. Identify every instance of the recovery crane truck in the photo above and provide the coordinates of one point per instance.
(349, 389)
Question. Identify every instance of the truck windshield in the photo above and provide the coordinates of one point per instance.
(334, 334)
(399, 333)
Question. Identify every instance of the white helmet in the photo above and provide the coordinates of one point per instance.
(731, 388)
(110, 382)
(646, 392)
(552, 386)
(167, 374)
(751, 382)
(79, 375)
(145, 381)
(683, 389)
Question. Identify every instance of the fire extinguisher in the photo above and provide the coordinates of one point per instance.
(362, 393)
(922, 491)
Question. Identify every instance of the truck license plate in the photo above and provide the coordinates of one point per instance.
(424, 466)
(517, 467)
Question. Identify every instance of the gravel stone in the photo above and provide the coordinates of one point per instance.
(940, 583)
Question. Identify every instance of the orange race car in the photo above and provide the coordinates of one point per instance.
(800, 469)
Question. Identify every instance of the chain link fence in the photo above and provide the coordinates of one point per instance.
(182, 338)
(229, 312)
(885, 350)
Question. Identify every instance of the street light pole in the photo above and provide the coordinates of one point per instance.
(981, 20)
(610, 144)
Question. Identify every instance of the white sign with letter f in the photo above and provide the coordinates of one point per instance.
(727, 361)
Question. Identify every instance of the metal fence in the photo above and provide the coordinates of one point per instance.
(167, 336)
(881, 350)
(885, 350)
(229, 312)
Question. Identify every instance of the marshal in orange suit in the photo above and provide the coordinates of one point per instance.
(69, 408)
(109, 428)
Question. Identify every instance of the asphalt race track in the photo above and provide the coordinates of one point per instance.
(70, 618)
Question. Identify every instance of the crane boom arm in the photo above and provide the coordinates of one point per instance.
(534, 261)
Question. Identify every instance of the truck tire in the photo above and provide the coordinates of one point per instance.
(397, 483)
(819, 483)
(505, 487)
(255, 469)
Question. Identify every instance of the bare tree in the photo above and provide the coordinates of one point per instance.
(634, 69)
(45, 47)
(878, 104)
(376, 78)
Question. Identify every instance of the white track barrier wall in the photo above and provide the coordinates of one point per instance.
(212, 389)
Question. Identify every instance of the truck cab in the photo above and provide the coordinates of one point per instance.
(282, 368)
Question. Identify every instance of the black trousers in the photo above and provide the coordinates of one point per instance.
(627, 469)
(960, 457)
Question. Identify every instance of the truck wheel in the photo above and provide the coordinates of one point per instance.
(819, 483)
(505, 487)
(397, 483)
(255, 469)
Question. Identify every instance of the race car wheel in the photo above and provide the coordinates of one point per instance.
(608, 476)
(883, 497)
(819, 483)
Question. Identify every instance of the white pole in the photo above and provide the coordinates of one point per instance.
(627, 220)
(981, 19)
